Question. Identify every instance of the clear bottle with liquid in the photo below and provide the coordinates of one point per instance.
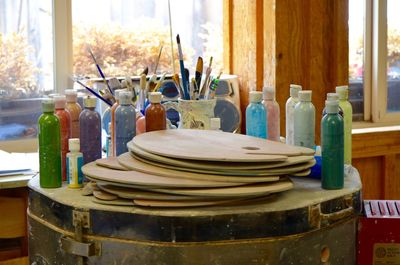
(304, 121)
(332, 145)
(272, 108)
(343, 92)
(289, 111)
(74, 164)
(256, 116)
(90, 131)
(125, 123)
(49, 147)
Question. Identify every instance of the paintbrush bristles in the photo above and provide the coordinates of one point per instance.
(178, 39)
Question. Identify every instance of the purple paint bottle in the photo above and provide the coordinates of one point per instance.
(90, 131)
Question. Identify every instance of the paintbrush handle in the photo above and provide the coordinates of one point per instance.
(184, 81)
(94, 93)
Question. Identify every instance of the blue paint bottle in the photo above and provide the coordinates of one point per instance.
(256, 116)
(125, 123)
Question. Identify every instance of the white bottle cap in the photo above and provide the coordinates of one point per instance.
(268, 93)
(215, 123)
(294, 90)
(59, 102)
(48, 105)
(255, 96)
(71, 95)
(117, 93)
(89, 102)
(332, 106)
(332, 96)
(155, 97)
(125, 98)
(343, 92)
(305, 95)
(74, 144)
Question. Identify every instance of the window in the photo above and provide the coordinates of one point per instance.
(374, 59)
(125, 36)
(25, 65)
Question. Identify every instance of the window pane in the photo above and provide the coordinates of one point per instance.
(125, 35)
(356, 57)
(393, 60)
(26, 60)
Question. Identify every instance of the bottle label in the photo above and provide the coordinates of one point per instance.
(74, 171)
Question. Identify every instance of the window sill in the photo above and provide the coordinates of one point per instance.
(374, 127)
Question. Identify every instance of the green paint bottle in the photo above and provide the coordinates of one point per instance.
(343, 92)
(332, 145)
(49, 147)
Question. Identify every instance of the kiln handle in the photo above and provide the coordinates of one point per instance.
(332, 217)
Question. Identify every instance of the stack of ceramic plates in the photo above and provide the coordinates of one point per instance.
(188, 168)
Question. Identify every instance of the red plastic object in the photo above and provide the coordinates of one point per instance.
(379, 233)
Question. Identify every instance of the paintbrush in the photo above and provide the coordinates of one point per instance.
(187, 74)
(160, 82)
(213, 87)
(182, 66)
(199, 71)
(195, 90)
(158, 59)
(93, 92)
(205, 84)
(151, 84)
(99, 69)
(175, 77)
(145, 71)
(142, 93)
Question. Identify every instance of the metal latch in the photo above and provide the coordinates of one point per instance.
(316, 217)
(76, 246)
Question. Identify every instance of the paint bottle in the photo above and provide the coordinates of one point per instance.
(90, 131)
(109, 144)
(332, 97)
(65, 130)
(304, 121)
(113, 108)
(344, 103)
(272, 108)
(49, 147)
(74, 164)
(215, 124)
(332, 145)
(256, 116)
(155, 113)
(74, 110)
(290, 103)
(125, 123)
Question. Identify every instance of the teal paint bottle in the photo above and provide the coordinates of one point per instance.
(332, 145)
(304, 121)
(256, 116)
(49, 147)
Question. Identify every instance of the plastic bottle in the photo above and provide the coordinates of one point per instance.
(74, 164)
(125, 123)
(65, 129)
(290, 103)
(74, 110)
(49, 147)
(304, 121)
(113, 108)
(272, 108)
(90, 131)
(332, 144)
(155, 113)
(256, 116)
(332, 97)
(215, 124)
(343, 92)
